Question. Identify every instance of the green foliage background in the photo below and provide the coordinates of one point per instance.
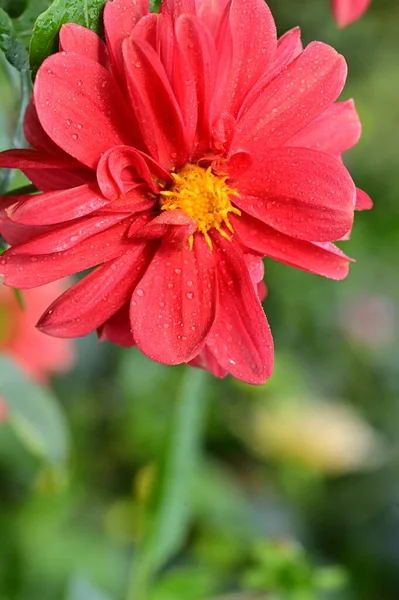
(221, 517)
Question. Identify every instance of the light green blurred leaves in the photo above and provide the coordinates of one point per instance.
(81, 589)
(45, 31)
(34, 414)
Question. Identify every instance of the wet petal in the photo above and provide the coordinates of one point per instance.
(26, 270)
(301, 92)
(57, 207)
(240, 339)
(336, 130)
(96, 297)
(75, 38)
(323, 259)
(300, 192)
(174, 305)
(81, 108)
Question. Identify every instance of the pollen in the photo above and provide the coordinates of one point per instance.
(205, 197)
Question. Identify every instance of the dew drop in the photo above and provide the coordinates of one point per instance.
(69, 122)
(79, 126)
(190, 283)
(80, 82)
(75, 136)
(140, 292)
(190, 295)
(177, 271)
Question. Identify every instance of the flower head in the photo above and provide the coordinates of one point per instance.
(348, 11)
(172, 159)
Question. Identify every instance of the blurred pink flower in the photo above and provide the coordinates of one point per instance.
(348, 11)
(3, 410)
(38, 354)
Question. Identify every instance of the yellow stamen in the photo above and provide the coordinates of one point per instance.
(204, 197)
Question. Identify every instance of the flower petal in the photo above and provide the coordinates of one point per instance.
(240, 339)
(245, 42)
(81, 108)
(75, 38)
(336, 130)
(322, 259)
(348, 11)
(174, 305)
(154, 104)
(301, 92)
(120, 17)
(300, 192)
(51, 208)
(198, 48)
(36, 136)
(206, 360)
(96, 297)
(117, 328)
(66, 236)
(26, 270)
(363, 200)
(34, 159)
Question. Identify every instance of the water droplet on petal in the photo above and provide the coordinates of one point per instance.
(140, 292)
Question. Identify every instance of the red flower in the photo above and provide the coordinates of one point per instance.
(348, 11)
(39, 355)
(172, 159)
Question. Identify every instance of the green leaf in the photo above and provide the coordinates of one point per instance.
(14, 8)
(14, 51)
(81, 589)
(45, 32)
(35, 414)
(174, 503)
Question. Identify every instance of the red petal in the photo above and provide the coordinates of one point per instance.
(175, 8)
(66, 236)
(173, 225)
(36, 136)
(348, 11)
(198, 49)
(240, 338)
(75, 38)
(13, 233)
(154, 104)
(363, 200)
(210, 13)
(291, 100)
(174, 305)
(26, 271)
(300, 192)
(81, 108)
(123, 167)
(34, 159)
(117, 328)
(96, 297)
(288, 48)
(246, 30)
(337, 129)
(120, 17)
(57, 207)
(206, 360)
(322, 259)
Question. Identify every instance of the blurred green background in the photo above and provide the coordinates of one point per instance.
(295, 495)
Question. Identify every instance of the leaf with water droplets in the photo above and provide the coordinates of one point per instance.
(45, 32)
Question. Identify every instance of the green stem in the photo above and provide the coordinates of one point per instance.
(172, 513)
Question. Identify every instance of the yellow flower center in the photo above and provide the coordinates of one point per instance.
(203, 196)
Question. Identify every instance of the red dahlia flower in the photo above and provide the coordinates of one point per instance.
(173, 158)
(348, 11)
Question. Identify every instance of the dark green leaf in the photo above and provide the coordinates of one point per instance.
(35, 414)
(14, 51)
(14, 8)
(45, 32)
